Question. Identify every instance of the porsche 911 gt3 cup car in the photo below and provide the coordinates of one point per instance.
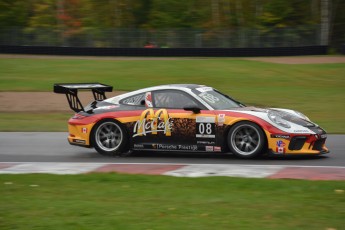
(188, 118)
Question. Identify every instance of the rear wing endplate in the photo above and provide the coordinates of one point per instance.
(71, 92)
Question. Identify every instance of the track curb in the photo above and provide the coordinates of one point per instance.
(179, 170)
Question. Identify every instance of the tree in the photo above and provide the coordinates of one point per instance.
(337, 25)
(282, 13)
(178, 14)
(69, 17)
(43, 14)
(115, 13)
(99, 18)
(14, 13)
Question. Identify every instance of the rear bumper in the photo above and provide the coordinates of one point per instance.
(78, 142)
(79, 135)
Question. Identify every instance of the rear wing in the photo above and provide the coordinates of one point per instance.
(71, 92)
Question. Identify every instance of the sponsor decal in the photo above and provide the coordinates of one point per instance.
(281, 136)
(206, 142)
(280, 150)
(209, 148)
(205, 127)
(280, 147)
(138, 146)
(148, 100)
(188, 147)
(83, 86)
(221, 119)
(301, 131)
(280, 143)
(84, 130)
(79, 141)
(204, 89)
(107, 107)
(209, 97)
(176, 147)
(217, 148)
(201, 119)
(153, 122)
(166, 147)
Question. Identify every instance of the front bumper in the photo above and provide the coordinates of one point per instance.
(298, 144)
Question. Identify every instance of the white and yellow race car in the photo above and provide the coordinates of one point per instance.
(188, 118)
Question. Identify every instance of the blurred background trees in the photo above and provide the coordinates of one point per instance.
(173, 23)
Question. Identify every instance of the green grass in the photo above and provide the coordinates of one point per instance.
(314, 89)
(34, 122)
(114, 201)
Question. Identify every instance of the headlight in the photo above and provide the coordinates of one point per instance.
(277, 119)
(302, 115)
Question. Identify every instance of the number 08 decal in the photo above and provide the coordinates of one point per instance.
(205, 127)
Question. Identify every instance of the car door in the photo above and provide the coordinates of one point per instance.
(175, 126)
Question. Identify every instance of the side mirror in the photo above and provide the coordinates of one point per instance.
(194, 109)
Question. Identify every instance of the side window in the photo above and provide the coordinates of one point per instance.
(133, 100)
(173, 99)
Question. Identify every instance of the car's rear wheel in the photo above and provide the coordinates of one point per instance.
(109, 138)
(246, 139)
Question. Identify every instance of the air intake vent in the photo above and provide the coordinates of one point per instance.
(297, 143)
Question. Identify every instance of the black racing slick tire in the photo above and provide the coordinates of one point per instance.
(109, 137)
(246, 140)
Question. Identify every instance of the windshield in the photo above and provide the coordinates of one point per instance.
(216, 99)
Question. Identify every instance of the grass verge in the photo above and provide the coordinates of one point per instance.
(34, 122)
(317, 90)
(115, 201)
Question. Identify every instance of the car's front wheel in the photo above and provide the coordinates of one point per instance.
(109, 138)
(246, 139)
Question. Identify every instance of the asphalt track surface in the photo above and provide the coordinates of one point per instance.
(53, 147)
